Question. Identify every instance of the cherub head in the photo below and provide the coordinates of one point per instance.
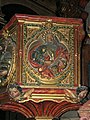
(82, 92)
(14, 90)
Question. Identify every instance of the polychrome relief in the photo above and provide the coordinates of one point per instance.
(17, 94)
(48, 54)
(7, 58)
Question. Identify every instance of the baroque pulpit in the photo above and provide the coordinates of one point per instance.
(42, 54)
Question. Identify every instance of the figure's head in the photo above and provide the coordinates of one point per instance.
(14, 90)
(82, 91)
(49, 37)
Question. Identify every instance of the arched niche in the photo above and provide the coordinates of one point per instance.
(10, 9)
(34, 6)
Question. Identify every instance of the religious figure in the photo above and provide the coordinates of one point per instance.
(5, 57)
(50, 58)
(6, 51)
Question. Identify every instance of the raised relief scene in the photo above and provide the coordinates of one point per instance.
(40, 65)
(49, 54)
(7, 58)
(48, 57)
